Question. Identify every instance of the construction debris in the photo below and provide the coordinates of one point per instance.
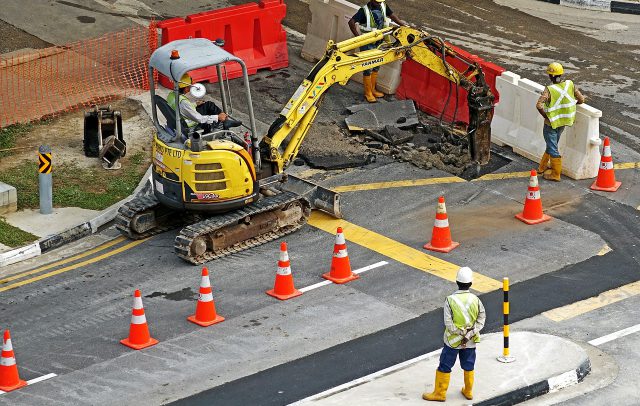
(377, 116)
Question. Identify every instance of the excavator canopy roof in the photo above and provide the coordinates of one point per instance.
(194, 53)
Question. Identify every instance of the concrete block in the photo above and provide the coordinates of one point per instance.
(516, 123)
(8, 199)
(375, 116)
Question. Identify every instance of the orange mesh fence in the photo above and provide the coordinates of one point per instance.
(54, 80)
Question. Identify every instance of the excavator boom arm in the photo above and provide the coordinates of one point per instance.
(339, 64)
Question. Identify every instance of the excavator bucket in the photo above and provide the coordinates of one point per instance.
(320, 197)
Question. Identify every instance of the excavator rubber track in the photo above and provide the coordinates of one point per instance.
(267, 227)
(130, 212)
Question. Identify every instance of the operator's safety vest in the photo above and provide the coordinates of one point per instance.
(464, 309)
(171, 101)
(561, 108)
(371, 21)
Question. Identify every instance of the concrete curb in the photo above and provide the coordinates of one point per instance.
(74, 233)
(550, 385)
(605, 5)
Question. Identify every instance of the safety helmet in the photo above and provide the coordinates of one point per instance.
(555, 69)
(379, 1)
(465, 275)
(185, 81)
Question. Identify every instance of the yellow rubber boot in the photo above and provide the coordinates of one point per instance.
(468, 385)
(374, 80)
(439, 393)
(555, 171)
(544, 163)
(366, 80)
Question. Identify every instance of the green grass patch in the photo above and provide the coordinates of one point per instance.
(9, 135)
(14, 237)
(89, 188)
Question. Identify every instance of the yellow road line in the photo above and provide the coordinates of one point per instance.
(584, 306)
(398, 251)
(64, 261)
(398, 183)
(74, 266)
(605, 250)
(507, 175)
(627, 165)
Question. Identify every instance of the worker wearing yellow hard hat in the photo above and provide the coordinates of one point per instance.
(204, 115)
(557, 104)
(374, 15)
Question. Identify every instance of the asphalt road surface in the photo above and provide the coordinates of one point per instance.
(67, 318)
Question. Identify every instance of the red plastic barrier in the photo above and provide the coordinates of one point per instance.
(430, 90)
(253, 32)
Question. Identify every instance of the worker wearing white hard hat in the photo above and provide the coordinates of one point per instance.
(464, 317)
(375, 15)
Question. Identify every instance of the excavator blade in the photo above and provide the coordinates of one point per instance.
(320, 197)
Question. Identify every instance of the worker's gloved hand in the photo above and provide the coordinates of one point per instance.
(230, 123)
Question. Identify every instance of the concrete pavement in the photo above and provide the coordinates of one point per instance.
(543, 362)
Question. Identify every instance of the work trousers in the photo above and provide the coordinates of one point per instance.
(208, 108)
(448, 358)
(552, 138)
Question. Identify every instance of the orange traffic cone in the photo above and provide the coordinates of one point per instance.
(283, 288)
(205, 309)
(606, 180)
(441, 234)
(9, 378)
(139, 337)
(532, 213)
(340, 266)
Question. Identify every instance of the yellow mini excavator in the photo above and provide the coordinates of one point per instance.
(229, 192)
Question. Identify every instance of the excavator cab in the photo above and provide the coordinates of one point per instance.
(193, 169)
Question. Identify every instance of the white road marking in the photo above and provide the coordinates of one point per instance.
(367, 378)
(358, 271)
(36, 380)
(615, 335)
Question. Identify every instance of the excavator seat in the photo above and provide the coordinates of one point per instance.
(170, 115)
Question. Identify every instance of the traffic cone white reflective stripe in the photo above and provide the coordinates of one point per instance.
(139, 336)
(340, 265)
(532, 212)
(441, 234)
(205, 308)
(9, 377)
(283, 287)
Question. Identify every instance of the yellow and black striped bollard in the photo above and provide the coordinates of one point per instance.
(45, 184)
(505, 357)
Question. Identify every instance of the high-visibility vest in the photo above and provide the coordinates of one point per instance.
(464, 309)
(171, 101)
(371, 22)
(561, 108)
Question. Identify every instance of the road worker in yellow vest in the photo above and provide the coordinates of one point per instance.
(557, 105)
(374, 15)
(464, 317)
(206, 115)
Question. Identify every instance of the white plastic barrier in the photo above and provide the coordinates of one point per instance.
(330, 21)
(518, 124)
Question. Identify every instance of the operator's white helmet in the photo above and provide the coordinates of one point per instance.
(465, 275)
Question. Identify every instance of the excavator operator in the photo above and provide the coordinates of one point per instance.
(374, 15)
(206, 115)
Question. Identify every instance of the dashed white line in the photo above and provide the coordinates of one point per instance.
(36, 380)
(358, 271)
(615, 335)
